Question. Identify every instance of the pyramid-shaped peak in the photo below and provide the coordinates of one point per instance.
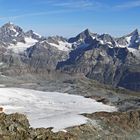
(86, 32)
(135, 32)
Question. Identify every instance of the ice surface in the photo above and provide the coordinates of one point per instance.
(50, 109)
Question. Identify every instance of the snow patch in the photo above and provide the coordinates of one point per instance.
(122, 46)
(109, 43)
(134, 51)
(101, 41)
(128, 39)
(93, 37)
(1, 63)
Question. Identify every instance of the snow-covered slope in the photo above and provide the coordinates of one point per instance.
(50, 109)
(131, 40)
(20, 47)
(63, 46)
(16, 40)
(60, 43)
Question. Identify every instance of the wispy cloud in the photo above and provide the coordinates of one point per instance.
(128, 5)
(63, 7)
(74, 4)
(34, 14)
(77, 4)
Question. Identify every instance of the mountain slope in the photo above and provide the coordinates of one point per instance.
(109, 60)
(105, 60)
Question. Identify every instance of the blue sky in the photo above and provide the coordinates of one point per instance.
(69, 17)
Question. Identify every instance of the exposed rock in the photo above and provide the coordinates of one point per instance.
(117, 125)
(102, 125)
(1, 109)
(16, 127)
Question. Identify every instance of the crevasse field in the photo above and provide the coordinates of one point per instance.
(50, 109)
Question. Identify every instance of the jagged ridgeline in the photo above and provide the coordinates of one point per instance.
(109, 60)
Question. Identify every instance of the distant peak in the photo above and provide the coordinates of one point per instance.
(8, 24)
(11, 23)
(30, 31)
(105, 34)
(86, 31)
(135, 32)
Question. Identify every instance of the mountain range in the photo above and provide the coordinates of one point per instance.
(109, 60)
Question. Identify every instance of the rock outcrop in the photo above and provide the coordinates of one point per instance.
(102, 125)
(16, 127)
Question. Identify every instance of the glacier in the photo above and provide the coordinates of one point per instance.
(50, 109)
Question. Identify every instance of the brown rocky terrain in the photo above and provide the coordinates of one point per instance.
(16, 127)
(101, 126)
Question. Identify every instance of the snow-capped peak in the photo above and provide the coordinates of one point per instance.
(32, 34)
(11, 26)
(9, 31)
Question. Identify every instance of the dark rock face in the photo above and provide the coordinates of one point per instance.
(104, 64)
(130, 80)
(104, 60)
(33, 35)
(85, 36)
